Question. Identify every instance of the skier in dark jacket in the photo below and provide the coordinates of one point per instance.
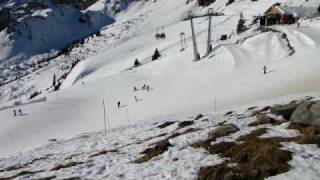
(119, 104)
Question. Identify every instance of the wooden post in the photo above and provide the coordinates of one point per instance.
(195, 48)
(209, 47)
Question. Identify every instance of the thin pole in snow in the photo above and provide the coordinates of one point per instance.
(104, 116)
(128, 115)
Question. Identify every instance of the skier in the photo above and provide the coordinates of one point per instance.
(136, 99)
(14, 113)
(264, 69)
(119, 104)
(148, 88)
(135, 89)
(20, 112)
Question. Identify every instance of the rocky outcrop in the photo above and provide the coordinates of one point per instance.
(223, 130)
(262, 119)
(307, 113)
(284, 110)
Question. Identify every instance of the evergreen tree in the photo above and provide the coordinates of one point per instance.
(241, 27)
(136, 63)
(156, 54)
(54, 82)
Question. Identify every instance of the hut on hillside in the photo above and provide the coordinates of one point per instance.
(278, 14)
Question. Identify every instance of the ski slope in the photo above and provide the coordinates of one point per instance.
(230, 76)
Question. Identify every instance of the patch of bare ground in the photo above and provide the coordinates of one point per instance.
(262, 119)
(255, 158)
(47, 178)
(310, 133)
(66, 165)
(166, 124)
(160, 147)
(103, 152)
(184, 124)
(221, 131)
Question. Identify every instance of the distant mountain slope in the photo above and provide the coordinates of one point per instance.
(30, 27)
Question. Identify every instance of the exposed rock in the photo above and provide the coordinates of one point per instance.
(265, 109)
(262, 119)
(252, 108)
(199, 117)
(185, 124)
(228, 113)
(284, 110)
(307, 113)
(223, 130)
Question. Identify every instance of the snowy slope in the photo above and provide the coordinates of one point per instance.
(167, 149)
(229, 77)
(60, 26)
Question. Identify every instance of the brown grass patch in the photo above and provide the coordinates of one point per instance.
(310, 133)
(255, 158)
(160, 147)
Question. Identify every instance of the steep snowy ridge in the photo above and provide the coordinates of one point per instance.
(59, 24)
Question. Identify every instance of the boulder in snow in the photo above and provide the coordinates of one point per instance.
(307, 113)
(284, 110)
(223, 130)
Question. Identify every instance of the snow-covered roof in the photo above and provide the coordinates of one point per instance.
(308, 12)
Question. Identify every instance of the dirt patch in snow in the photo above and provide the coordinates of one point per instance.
(160, 147)
(166, 124)
(66, 165)
(103, 152)
(310, 133)
(255, 158)
(184, 124)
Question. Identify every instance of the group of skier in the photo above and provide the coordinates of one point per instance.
(17, 112)
(144, 87)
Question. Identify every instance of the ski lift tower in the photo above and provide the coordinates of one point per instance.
(209, 46)
(195, 47)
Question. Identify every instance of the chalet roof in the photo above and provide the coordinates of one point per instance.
(307, 12)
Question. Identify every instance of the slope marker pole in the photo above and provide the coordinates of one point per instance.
(104, 116)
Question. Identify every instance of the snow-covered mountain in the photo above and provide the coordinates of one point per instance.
(93, 63)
